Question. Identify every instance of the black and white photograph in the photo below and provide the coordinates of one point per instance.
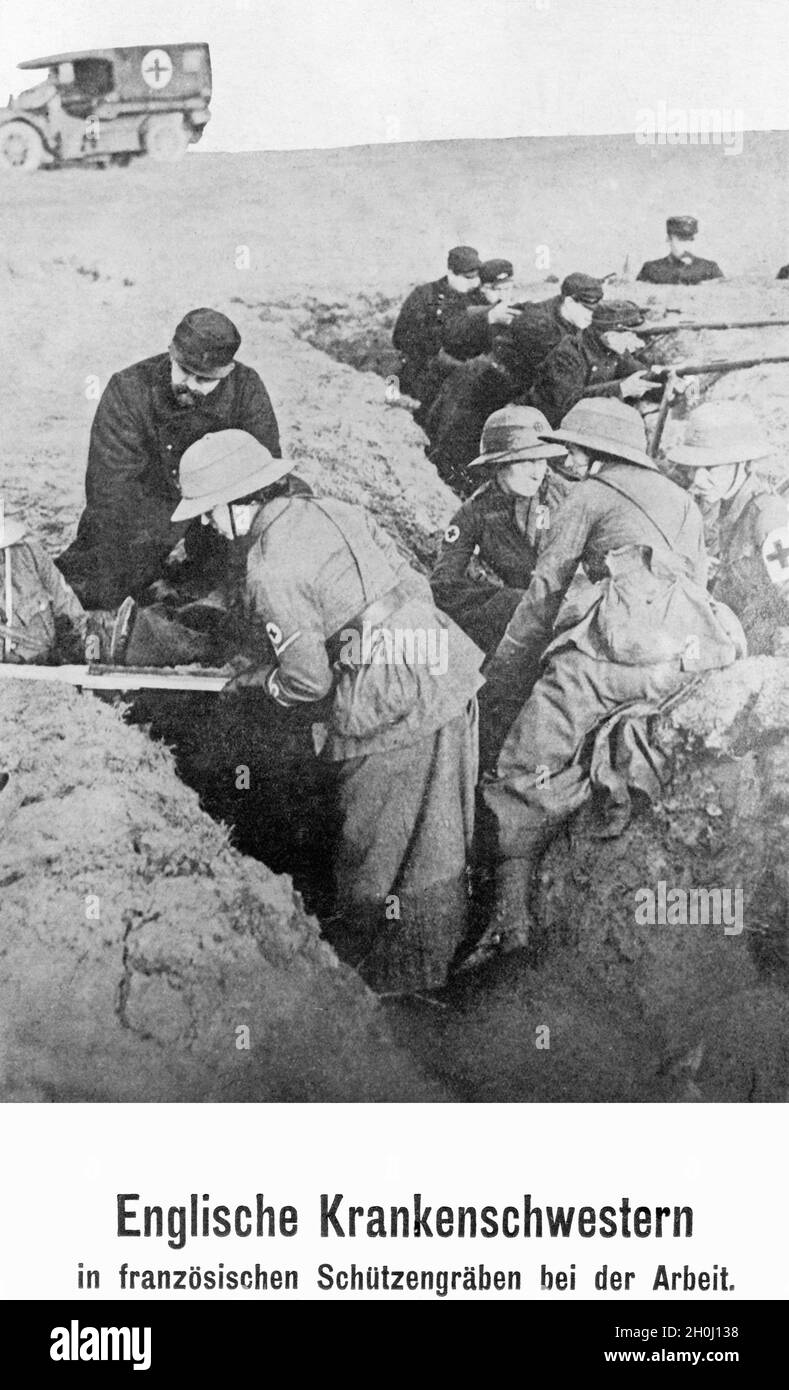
(395, 553)
(394, 667)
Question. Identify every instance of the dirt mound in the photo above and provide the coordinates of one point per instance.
(138, 946)
(713, 994)
(620, 1010)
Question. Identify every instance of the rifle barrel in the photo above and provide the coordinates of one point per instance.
(654, 330)
(724, 364)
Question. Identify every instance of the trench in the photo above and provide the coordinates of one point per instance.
(278, 816)
(258, 777)
(356, 332)
(253, 769)
(626, 1014)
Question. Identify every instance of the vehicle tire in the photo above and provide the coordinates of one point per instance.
(21, 148)
(166, 138)
(122, 160)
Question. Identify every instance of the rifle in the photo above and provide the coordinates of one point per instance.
(654, 330)
(721, 364)
(678, 369)
(662, 414)
(96, 677)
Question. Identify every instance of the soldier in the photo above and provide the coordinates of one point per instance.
(633, 528)
(722, 445)
(41, 618)
(680, 267)
(505, 374)
(148, 415)
(417, 334)
(539, 327)
(472, 390)
(471, 328)
(603, 360)
(491, 545)
(343, 630)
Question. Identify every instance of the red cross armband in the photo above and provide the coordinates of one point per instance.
(775, 554)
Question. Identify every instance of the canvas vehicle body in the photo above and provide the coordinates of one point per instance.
(107, 105)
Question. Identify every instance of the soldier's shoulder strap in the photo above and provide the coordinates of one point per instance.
(625, 492)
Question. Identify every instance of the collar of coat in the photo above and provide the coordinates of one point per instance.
(754, 486)
(269, 511)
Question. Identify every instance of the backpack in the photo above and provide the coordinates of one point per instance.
(652, 610)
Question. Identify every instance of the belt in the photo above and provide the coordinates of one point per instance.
(375, 613)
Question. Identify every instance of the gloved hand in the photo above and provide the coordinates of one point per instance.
(246, 674)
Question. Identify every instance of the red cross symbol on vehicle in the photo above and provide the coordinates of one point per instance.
(156, 68)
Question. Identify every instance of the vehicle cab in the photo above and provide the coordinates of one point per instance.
(108, 106)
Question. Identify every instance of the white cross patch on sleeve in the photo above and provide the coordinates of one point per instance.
(775, 553)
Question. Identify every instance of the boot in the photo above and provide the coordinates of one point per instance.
(510, 925)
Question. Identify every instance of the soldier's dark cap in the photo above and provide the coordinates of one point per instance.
(205, 342)
(491, 272)
(584, 288)
(464, 260)
(616, 314)
(683, 227)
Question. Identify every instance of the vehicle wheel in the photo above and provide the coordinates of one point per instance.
(122, 160)
(21, 147)
(166, 138)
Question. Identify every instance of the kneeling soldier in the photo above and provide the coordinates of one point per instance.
(603, 360)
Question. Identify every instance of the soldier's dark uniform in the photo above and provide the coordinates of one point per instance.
(526, 342)
(400, 744)
(686, 269)
(418, 334)
(468, 331)
(669, 270)
(580, 366)
(138, 436)
(488, 555)
(544, 696)
(506, 373)
(473, 391)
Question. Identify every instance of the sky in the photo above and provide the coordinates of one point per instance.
(296, 74)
